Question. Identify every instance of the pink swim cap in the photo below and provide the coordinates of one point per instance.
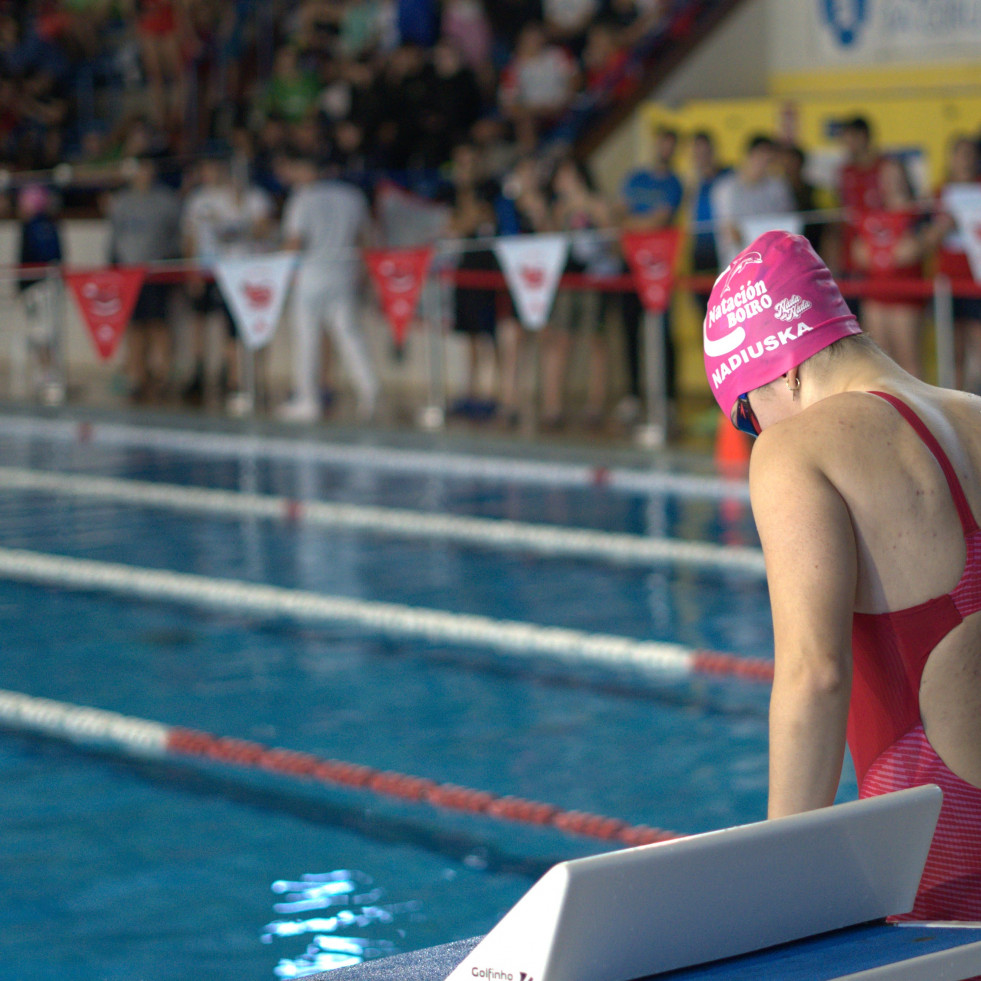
(774, 306)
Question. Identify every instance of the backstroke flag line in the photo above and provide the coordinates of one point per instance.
(255, 289)
(532, 266)
(105, 299)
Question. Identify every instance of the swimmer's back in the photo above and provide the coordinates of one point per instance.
(909, 541)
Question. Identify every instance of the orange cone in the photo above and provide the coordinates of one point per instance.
(732, 449)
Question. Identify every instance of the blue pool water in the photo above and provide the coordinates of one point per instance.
(114, 868)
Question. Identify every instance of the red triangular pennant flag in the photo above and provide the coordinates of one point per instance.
(106, 299)
(651, 257)
(398, 275)
(881, 231)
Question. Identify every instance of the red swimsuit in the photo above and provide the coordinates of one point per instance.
(885, 733)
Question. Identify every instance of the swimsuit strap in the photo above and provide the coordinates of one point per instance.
(964, 512)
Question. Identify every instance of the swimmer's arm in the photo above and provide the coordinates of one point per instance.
(810, 553)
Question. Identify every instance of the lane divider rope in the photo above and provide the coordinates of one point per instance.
(515, 637)
(143, 738)
(464, 466)
(496, 533)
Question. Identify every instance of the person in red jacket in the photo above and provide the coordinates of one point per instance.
(857, 187)
(888, 248)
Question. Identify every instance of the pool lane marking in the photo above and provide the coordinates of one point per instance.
(489, 532)
(395, 619)
(143, 738)
(441, 463)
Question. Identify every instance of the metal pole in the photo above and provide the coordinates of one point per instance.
(433, 414)
(247, 359)
(56, 384)
(654, 431)
(18, 350)
(943, 326)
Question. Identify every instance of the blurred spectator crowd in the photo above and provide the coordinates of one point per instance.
(251, 125)
(380, 84)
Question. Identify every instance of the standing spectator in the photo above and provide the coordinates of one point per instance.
(888, 247)
(537, 84)
(398, 100)
(567, 21)
(144, 227)
(579, 209)
(291, 91)
(636, 18)
(754, 190)
(858, 192)
(609, 74)
(222, 217)
(474, 309)
(418, 22)
(508, 19)
(325, 221)
(649, 199)
(451, 109)
(858, 177)
(161, 29)
(793, 162)
(495, 147)
(963, 174)
(706, 172)
(465, 25)
(40, 246)
(318, 27)
(360, 28)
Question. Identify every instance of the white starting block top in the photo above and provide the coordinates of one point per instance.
(798, 898)
(643, 911)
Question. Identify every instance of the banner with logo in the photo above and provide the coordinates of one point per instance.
(532, 267)
(878, 32)
(105, 299)
(963, 202)
(651, 257)
(398, 275)
(255, 288)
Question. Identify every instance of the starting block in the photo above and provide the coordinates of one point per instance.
(798, 897)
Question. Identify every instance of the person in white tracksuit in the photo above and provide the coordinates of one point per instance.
(325, 221)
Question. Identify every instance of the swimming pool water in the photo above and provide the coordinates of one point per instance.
(114, 868)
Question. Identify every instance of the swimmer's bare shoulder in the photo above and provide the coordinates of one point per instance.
(830, 437)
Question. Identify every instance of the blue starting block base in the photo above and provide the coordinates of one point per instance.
(878, 951)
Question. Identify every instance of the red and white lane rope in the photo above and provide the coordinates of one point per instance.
(395, 619)
(439, 463)
(143, 738)
(541, 539)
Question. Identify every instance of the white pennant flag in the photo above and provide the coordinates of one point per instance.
(963, 202)
(532, 266)
(255, 289)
